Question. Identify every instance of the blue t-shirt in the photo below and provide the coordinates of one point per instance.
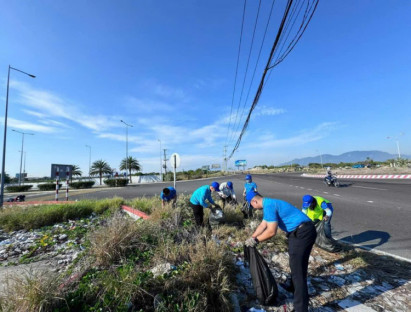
(170, 196)
(200, 195)
(250, 186)
(287, 216)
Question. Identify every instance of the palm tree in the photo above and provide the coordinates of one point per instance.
(100, 167)
(130, 164)
(75, 171)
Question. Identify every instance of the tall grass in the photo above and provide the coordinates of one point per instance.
(31, 292)
(33, 217)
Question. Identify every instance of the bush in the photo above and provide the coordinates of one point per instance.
(82, 184)
(34, 217)
(18, 188)
(116, 182)
(48, 186)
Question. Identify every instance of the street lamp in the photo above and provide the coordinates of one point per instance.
(397, 140)
(22, 149)
(161, 164)
(321, 159)
(89, 161)
(127, 125)
(5, 132)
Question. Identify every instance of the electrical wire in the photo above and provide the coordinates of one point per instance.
(255, 68)
(236, 69)
(308, 14)
(246, 69)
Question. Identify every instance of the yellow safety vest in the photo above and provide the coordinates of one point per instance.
(318, 212)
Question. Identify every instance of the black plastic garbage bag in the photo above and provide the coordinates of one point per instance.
(322, 241)
(247, 210)
(263, 280)
(216, 217)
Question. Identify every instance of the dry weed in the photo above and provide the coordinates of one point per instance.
(31, 291)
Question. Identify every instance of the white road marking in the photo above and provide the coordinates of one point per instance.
(301, 187)
(325, 192)
(336, 195)
(370, 201)
(371, 188)
(309, 189)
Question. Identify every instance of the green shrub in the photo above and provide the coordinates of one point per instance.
(82, 184)
(48, 186)
(35, 217)
(18, 188)
(116, 182)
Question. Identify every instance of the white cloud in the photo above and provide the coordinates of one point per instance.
(268, 140)
(267, 111)
(23, 125)
(45, 103)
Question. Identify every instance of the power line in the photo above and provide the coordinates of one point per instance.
(281, 38)
(246, 69)
(255, 69)
(236, 69)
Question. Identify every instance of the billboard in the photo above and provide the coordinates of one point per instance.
(207, 167)
(215, 166)
(62, 171)
(240, 163)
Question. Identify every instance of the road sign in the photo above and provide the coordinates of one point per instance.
(175, 160)
(239, 163)
(60, 171)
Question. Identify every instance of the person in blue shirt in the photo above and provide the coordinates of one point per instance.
(198, 200)
(249, 185)
(301, 235)
(168, 195)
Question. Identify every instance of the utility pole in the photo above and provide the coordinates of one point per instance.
(225, 158)
(165, 161)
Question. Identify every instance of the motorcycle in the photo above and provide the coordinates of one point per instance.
(331, 181)
(18, 198)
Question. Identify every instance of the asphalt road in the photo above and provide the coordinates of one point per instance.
(374, 214)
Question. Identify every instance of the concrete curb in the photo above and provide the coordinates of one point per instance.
(362, 176)
(135, 213)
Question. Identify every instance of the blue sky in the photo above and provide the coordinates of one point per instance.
(167, 68)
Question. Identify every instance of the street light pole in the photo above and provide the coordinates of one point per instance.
(22, 149)
(127, 125)
(397, 140)
(161, 164)
(5, 133)
(89, 161)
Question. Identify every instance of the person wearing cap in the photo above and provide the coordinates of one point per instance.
(249, 185)
(301, 235)
(318, 208)
(227, 193)
(169, 194)
(198, 200)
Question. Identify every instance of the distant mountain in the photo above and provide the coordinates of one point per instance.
(353, 156)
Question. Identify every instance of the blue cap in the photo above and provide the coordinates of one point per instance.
(216, 186)
(307, 200)
(230, 185)
(250, 195)
(248, 177)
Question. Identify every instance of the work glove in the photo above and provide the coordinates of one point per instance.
(251, 242)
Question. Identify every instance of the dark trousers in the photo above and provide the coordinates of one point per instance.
(226, 200)
(198, 211)
(300, 243)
